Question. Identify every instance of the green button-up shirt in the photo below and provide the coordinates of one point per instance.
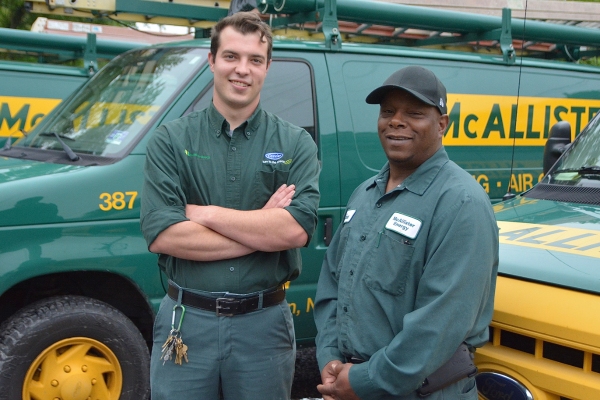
(193, 160)
(408, 276)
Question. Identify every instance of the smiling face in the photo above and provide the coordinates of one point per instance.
(410, 131)
(240, 67)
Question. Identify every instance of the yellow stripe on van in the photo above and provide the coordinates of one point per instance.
(484, 120)
(475, 120)
(22, 113)
(18, 113)
(551, 237)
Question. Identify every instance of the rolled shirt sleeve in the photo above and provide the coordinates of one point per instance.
(163, 200)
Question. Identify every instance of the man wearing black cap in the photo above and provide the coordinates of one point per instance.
(407, 285)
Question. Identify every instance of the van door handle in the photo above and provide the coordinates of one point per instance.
(328, 231)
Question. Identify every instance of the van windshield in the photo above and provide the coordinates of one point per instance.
(112, 111)
(580, 165)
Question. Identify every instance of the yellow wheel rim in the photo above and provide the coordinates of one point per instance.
(78, 368)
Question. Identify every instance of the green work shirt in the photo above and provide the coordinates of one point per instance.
(408, 276)
(193, 160)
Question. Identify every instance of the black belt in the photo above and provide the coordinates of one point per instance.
(228, 306)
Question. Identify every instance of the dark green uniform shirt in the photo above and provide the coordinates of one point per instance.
(193, 160)
(409, 275)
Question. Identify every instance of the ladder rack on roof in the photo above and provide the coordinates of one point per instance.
(47, 47)
(360, 20)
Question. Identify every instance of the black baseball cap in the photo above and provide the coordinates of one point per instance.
(418, 81)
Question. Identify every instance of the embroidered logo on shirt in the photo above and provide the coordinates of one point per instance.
(349, 215)
(189, 154)
(274, 156)
(404, 225)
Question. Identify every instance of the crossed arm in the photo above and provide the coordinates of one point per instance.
(217, 233)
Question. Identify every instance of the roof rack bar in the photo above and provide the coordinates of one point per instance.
(63, 48)
(209, 11)
(331, 30)
(90, 58)
(401, 15)
(506, 40)
(397, 20)
(55, 44)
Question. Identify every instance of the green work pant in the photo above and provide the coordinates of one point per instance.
(244, 357)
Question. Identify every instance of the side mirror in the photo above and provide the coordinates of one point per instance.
(559, 140)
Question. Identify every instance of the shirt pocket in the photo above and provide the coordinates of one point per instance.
(342, 250)
(389, 264)
(266, 183)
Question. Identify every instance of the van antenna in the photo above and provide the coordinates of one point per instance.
(509, 194)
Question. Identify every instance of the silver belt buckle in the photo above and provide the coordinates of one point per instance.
(223, 307)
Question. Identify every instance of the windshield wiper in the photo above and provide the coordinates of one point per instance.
(72, 156)
(58, 135)
(587, 170)
(8, 143)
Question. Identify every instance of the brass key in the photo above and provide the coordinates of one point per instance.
(180, 352)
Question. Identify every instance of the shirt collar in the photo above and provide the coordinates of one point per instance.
(418, 181)
(219, 124)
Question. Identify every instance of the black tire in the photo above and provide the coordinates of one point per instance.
(63, 346)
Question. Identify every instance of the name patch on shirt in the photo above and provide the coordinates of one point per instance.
(349, 215)
(404, 225)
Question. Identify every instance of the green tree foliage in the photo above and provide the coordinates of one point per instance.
(14, 15)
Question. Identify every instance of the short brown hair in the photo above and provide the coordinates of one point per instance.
(244, 22)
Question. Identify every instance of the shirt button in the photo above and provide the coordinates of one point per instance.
(362, 238)
(232, 178)
(345, 309)
(248, 133)
(233, 149)
(378, 205)
(231, 269)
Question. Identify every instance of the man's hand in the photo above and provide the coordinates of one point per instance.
(336, 385)
(282, 197)
(328, 375)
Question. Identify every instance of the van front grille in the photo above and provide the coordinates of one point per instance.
(563, 354)
(596, 363)
(586, 361)
(516, 341)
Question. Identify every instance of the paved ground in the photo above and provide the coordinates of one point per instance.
(307, 375)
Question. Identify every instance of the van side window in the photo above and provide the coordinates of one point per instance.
(288, 93)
